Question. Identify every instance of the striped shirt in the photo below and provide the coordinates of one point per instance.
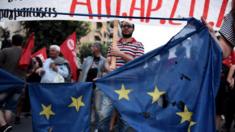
(132, 48)
(227, 29)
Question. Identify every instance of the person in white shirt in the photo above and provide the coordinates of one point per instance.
(55, 69)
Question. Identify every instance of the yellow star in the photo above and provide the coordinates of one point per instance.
(192, 123)
(156, 94)
(77, 103)
(186, 115)
(123, 93)
(46, 111)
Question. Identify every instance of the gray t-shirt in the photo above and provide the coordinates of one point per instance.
(9, 59)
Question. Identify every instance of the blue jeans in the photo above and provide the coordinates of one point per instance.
(10, 101)
(122, 126)
(103, 110)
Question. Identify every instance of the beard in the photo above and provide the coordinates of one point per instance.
(127, 35)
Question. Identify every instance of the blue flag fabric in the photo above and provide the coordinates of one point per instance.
(60, 107)
(172, 88)
(9, 82)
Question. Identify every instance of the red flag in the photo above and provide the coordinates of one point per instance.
(68, 49)
(27, 52)
(42, 54)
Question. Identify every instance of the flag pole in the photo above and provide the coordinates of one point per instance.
(113, 66)
(114, 44)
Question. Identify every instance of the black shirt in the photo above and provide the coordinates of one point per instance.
(93, 71)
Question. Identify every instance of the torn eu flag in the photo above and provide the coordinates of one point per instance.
(172, 88)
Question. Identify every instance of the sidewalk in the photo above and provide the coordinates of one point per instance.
(24, 126)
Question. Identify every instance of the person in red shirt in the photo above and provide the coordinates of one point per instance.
(230, 63)
(225, 96)
(226, 43)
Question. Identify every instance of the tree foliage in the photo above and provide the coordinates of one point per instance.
(54, 32)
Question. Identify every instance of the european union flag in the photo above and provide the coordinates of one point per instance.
(172, 88)
(9, 82)
(60, 107)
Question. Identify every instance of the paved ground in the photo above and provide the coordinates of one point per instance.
(24, 126)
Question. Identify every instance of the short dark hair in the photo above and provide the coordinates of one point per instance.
(17, 40)
(133, 25)
(38, 59)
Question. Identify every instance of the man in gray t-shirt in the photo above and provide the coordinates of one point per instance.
(9, 58)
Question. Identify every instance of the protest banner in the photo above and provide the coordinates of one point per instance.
(140, 11)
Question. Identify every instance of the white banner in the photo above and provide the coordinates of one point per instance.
(24, 10)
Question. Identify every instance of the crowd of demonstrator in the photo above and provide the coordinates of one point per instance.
(56, 69)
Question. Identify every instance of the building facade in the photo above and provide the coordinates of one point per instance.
(100, 32)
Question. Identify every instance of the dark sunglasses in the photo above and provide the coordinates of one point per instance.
(126, 26)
